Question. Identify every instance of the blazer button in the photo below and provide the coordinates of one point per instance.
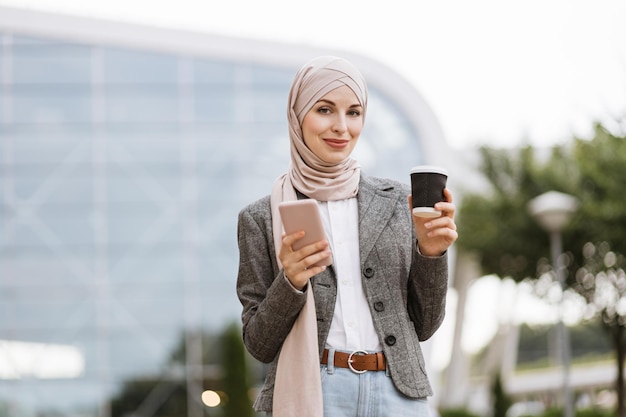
(368, 272)
(390, 340)
(379, 306)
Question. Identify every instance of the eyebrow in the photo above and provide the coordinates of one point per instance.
(332, 103)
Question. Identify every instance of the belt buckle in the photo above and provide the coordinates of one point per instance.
(350, 360)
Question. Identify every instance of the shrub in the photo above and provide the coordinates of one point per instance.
(586, 412)
(456, 412)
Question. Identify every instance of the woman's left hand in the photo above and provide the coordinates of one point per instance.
(436, 235)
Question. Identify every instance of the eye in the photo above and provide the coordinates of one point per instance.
(354, 113)
(324, 110)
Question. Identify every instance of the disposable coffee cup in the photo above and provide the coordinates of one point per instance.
(427, 184)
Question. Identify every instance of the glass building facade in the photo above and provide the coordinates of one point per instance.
(122, 170)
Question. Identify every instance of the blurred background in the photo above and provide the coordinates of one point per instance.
(132, 133)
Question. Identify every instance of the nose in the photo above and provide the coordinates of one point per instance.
(339, 125)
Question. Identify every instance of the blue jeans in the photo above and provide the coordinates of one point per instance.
(370, 394)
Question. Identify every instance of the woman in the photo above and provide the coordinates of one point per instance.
(385, 291)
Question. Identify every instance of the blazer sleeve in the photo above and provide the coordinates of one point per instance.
(428, 285)
(270, 304)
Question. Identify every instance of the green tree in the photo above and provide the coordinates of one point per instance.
(236, 378)
(496, 224)
(501, 401)
(601, 164)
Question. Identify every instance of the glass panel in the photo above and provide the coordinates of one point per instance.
(275, 79)
(49, 165)
(36, 62)
(269, 106)
(214, 103)
(213, 72)
(394, 156)
(29, 259)
(129, 66)
(141, 104)
(51, 104)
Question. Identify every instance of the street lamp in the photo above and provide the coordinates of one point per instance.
(553, 210)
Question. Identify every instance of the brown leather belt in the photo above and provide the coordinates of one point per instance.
(358, 361)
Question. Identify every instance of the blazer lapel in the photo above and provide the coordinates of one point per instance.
(376, 207)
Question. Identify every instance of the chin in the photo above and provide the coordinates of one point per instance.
(335, 159)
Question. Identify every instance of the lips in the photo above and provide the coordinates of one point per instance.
(337, 143)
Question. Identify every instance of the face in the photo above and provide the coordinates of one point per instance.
(333, 125)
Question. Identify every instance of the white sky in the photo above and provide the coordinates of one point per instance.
(495, 72)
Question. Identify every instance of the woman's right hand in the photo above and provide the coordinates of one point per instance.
(298, 265)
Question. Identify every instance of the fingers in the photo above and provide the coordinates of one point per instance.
(436, 235)
(446, 207)
(443, 227)
(299, 265)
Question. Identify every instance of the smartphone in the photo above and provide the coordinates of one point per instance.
(304, 215)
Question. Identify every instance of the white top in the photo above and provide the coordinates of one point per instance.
(352, 327)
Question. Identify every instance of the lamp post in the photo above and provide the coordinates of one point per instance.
(553, 210)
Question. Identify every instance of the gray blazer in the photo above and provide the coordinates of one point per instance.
(406, 291)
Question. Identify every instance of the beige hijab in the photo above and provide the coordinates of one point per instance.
(297, 389)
